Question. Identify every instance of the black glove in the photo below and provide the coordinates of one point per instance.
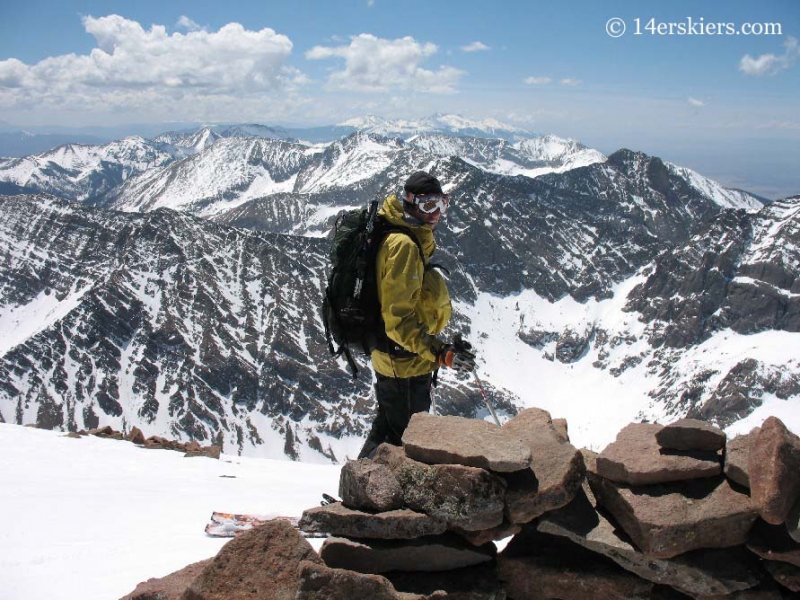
(457, 355)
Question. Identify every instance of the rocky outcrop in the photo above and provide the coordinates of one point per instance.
(774, 463)
(592, 536)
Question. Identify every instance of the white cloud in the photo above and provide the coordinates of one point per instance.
(770, 64)
(373, 64)
(696, 102)
(187, 24)
(537, 80)
(475, 47)
(570, 82)
(132, 67)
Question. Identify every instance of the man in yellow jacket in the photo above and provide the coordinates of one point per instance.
(415, 306)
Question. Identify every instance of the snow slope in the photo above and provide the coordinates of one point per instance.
(90, 518)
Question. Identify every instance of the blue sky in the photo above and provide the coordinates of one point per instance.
(726, 105)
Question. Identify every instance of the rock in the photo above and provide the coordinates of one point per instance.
(774, 470)
(318, 582)
(464, 497)
(470, 442)
(471, 583)
(435, 553)
(105, 431)
(260, 563)
(635, 458)
(737, 457)
(773, 542)
(557, 468)
(136, 436)
(785, 574)
(793, 522)
(536, 566)
(691, 434)
(73, 435)
(696, 573)
(479, 538)
(207, 451)
(670, 519)
(171, 587)
(339, 520)
(561, 428)
(364, 484)
(767, 590)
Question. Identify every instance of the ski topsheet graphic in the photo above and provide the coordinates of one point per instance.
(229, 524)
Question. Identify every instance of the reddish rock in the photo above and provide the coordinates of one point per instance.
(670, 519)
(434, 553)
(470, 442)
(562, 429)
(318, 582)
(105, 431)
(467, 498)
(479, 538)
(339, 520)
(636, 458)
(705, 572)
(207, 451)
(136, 436)
(773, 542)
(171, 587)
(557, 468)
(365, 484)
(260, 563)
(737, 459)
(774, 470)
(691, 434)
(785, 574)
(73, 435)
(536, 566)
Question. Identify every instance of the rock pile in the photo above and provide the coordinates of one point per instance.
(154, 442)
(663, 513)
(430, 510)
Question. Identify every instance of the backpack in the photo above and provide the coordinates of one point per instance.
(351, 313)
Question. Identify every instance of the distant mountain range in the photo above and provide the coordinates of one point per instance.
(174, 284)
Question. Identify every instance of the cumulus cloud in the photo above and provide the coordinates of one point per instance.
(373, 64)
(570, 82)
(537, 80)
(770, 64)
(132, 66)
(475, 47)
(696, 102)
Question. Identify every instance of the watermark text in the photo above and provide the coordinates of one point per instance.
(617, 27)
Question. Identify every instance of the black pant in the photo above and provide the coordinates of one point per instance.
(398, 399)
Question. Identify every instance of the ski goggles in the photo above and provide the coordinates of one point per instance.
(430, 203)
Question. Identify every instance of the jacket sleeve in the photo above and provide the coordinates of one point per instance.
(400, 275)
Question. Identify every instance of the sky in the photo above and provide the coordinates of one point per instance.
(714, 87)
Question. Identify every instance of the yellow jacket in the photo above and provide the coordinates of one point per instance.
(415, 303)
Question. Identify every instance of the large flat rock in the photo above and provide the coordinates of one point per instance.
(670, 519)
(338, 520)
(436, 553)
(773, 542)
(697, 573)
(636, 458)
(691, 434)
(466, 498)
(774, 470)
(536, 566)
(556, 473)
(319, 582)
(470, 442)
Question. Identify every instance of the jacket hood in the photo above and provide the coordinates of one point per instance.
(392, 211)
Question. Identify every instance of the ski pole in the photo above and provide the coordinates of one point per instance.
(485, 399)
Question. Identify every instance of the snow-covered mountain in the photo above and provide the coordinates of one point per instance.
(84, 173)
(607, 289)
(444, 124)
